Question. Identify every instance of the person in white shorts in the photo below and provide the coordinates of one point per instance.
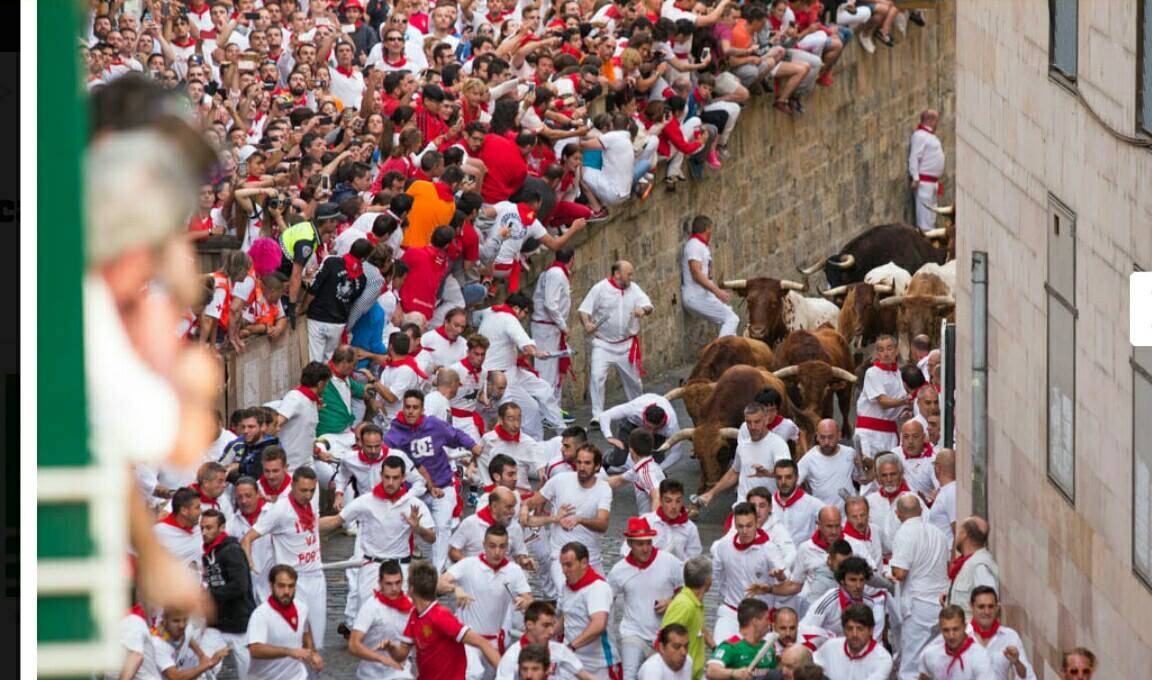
(281, 637)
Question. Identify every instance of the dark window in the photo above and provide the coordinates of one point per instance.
(1061, 401)
(1143, 67)
(1142, 463)
(1062, 32)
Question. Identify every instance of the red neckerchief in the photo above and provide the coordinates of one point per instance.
(818, 539)
(204, 500)
(776, 423)
(886, 367)
(956, 565)
(441, 333)
(926, 452)
(503, 309)
(474, 372)
(796, 495)
(304, 513)
(338, 374)
(527, 215)
(497, 18)
(493, 567)
(379, 492)
(269, 491)
(289, 612)
(701, 238)
(217, 541)
(682, 518)
(310, 393)
(251, 518)
(506, 436)
(402, 62)
(612, 282)
(365, 459)
(346, 72)
(485, 514)
(587, 579)
(564, 268)
(761, 539)
(490, 488)
(958, 655)
(410, 362)
(421, 176)
(902, 489)
(138, 610)
(986, 634)
(353, 265)
(641, 565)
(925, 128)
(170, 520)
(856, 657)
(401, 604)
(850, 530)
(846, 600)
(444, 192)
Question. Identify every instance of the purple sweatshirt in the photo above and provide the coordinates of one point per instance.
(424, 444)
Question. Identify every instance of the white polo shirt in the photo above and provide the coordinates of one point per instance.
(797, 514)
(972, 664)
(681, 539)
(641, 586)
(827, 475)
(298, 435)
(380, 622)
(441, 351)
(734, 569)
(384, 533)
(919, 472)
(492, 591)
(292, 543)
(764, 453)
(578, 606)
(267, 626)
(526, 452)
(186, 545)
(923, 550)
(564, 490)
(874, 663)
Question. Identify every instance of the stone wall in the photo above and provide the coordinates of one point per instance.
(792, 191)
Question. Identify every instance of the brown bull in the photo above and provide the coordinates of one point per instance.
(716, 357)
(766, 305)
(920, 309)
(861, 317)
(714, 430)
(818, 365)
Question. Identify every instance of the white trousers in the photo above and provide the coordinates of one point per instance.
(606, 189)
(478, 668)
(814, 43)
(441, 509)
(634, 651)
(873, 442)
(676, 160)
(733, 111)
(323, 339)
(452, 295)
(612, 354)
(528, 383)
(705, 304)
(925, 201)
(547, 337)
(915, 632)
(541, 551)
(726, 623)
(214, 639)
(861, 17)
(312, 588)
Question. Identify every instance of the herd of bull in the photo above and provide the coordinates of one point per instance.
(891, 279)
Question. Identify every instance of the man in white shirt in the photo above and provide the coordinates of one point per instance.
(297, 415)
(882, 501)
(943, 512)
(540, 629)
(650, 412)
(515, 223)
(382, 617)
(438, 402)
(487, 586)
(671, 660)
(881, 398)
(508, 439)
(1003, 644)
(551, 304)
(347, 82)
(179, 531)
(782, 427)
(676, 533)
(643, 473)
(291, 524)
(586, 606)
(508, 341)
(791, 506)
(400, 373)
(975, 565)
(249, 507)
(172, 647)
(954, 654)
(698, 292)
(823, 620)
(755, 460)
(747, 564)
(861, 533)
(446, 344)
(360, 466)
(859, 656)
(918, 455)
(920, 564)
(829, 467)
(611, 313)
(464, 408)
(647, 579)
(925, 165)
(499, 506)
(281, 637)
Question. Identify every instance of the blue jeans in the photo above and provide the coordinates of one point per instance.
(641, 169)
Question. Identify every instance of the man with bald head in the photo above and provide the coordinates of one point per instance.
(943, 513)
(921, 347)
(812, 554)
(830, 467)
(975, 565)
(438, 402)
(792, 658)
(920, 563)
(611, 313)
(917, 455)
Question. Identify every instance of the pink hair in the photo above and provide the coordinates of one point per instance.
(265, 254)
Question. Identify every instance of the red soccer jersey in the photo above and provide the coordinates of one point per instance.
(427, 266)
(506, 168)
(437, 635)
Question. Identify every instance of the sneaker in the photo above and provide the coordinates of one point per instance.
(825, 79)
(797, 106)
(598, 216)
(866, 42)
(568, 419)
(883, 37)
(714, 159)
(917, 18)
(722, 149)
(902, 23)
(594, 424)
(643, 189)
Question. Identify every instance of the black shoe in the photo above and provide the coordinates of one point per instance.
(343, 630)
(883, 38)
(917, 17)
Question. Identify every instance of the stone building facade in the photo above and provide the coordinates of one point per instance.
(1054, 172)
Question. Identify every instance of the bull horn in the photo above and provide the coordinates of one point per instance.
(843, 375)
(946, 210)
(736, 284)
(891, 301)
(811, 270)
(788, 284)
(675, 439)
(786, 372)
(729, 432)
(945, 300)
(845, 263)
(937, 233)
(676, 393)
(834, 292)
(883, 288)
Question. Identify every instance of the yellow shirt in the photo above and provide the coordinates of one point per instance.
(688, 611)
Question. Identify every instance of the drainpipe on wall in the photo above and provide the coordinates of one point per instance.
(980, 383)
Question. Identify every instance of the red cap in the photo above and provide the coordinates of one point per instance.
(352, 3)
(638, 528)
